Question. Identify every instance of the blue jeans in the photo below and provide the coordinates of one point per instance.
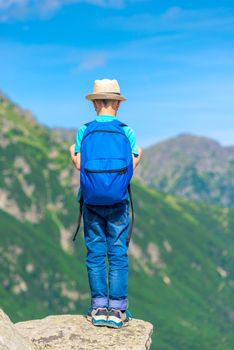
(105, 234)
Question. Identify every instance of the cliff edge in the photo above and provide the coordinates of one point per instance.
(72, 332)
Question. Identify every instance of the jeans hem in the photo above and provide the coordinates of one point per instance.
(99, 302)
(119, 304)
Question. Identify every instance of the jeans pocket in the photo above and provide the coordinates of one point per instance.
(89, 215)
(122, 215)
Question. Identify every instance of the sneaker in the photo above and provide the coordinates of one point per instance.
(118, 318)
(98, 316)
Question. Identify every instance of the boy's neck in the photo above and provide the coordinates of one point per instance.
(108, 114)
(107, 111)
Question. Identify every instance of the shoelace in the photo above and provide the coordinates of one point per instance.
(113, 312)
(91, 309)
(101, 311)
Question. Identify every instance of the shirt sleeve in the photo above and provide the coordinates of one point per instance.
(79, 137)
(132, 139)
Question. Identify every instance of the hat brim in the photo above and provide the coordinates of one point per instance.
(105, 96)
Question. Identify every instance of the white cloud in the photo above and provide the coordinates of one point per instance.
(172, 12)
(21, 9)
(45, 56)
(91, 62)
(4, 4)
(49, 6)
(175, 18)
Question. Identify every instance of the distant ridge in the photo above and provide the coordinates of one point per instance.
(196, 167)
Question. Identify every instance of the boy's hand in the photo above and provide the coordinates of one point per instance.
(72, 150)
(136, 160)
(75, 158)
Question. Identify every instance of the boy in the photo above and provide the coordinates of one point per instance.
(106, 226)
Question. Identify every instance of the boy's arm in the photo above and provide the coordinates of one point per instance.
(75, 148)
(137, 159)
(75, 157)
(136, 150)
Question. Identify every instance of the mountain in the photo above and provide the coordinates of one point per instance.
(195, 167)
(181, 276)
(67, 135)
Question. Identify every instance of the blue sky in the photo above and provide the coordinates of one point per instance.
(174, 61)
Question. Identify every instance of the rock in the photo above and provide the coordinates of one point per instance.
(74, 332)
(166, 280)
(10, 338)
(223, 273)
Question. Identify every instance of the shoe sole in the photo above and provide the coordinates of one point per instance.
(96, 322)
(113, 324)
(99, 322)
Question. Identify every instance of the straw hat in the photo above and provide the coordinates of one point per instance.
(105, 89)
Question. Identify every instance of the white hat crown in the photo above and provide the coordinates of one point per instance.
(106, 85)
(106, 89)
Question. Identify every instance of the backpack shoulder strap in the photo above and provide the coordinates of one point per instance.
(90, 123)
(122, 124)
(118, 122)
(132, 217)
(81, 201)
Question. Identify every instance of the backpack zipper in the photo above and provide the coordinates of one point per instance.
(113, 131)
(121, 171)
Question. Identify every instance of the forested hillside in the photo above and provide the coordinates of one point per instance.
(181, 255)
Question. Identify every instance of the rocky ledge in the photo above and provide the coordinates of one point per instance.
(72, 332)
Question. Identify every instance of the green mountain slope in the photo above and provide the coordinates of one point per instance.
(195, 167)
(181, 274)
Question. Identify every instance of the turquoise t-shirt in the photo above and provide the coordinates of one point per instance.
(106, 118)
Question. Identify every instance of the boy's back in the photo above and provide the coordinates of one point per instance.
(107, 118)
(106, 225)
(102, 119)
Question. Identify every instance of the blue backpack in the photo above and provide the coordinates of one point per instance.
(106, 166)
